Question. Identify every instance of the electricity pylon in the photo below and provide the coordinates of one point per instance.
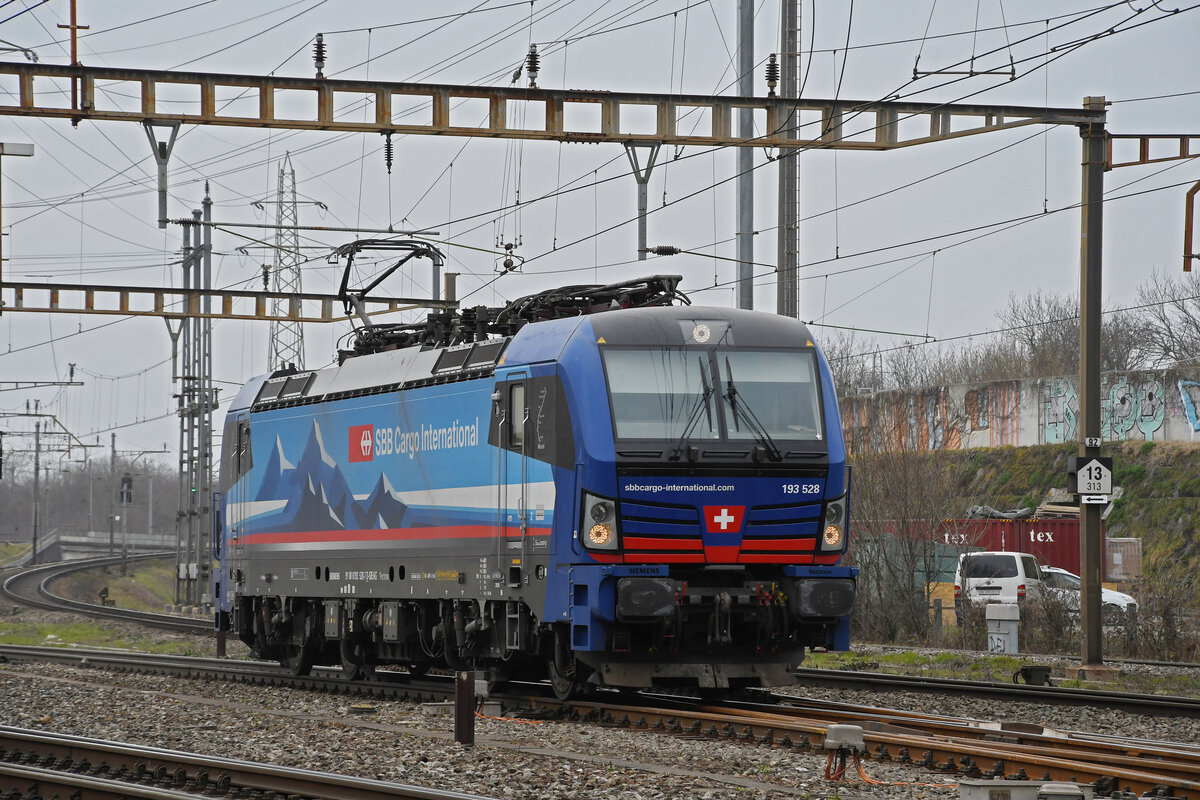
(286, 347)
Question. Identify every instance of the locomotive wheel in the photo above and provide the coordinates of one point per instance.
(356, 672)
(298, 658)
(354, 667)
(497, 679)
(565, 687)
(561, 666)
(300, 649)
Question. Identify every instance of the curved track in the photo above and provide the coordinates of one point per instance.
(61, 765)
(963, 748)
(30, 587)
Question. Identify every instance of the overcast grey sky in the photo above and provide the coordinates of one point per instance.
(84, 209)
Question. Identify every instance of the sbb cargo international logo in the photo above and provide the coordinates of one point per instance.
(723, 519)
(361, 443)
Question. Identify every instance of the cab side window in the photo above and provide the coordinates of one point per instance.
(516, 415)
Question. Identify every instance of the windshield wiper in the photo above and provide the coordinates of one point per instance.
(694, 414)
(756, 427)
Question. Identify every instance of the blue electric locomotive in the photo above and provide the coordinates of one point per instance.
(654, 495)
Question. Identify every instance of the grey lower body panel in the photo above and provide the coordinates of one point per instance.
(706, 675)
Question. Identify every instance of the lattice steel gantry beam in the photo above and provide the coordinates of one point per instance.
(248, 101)
(1181, 146)
(131, 301)
(1155, 148)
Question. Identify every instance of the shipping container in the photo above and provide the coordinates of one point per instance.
(1053, 541)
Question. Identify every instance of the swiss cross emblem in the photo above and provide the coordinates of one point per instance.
(723, 519)
(361, 442)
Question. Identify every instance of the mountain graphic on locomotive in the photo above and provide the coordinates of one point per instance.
(601, 485)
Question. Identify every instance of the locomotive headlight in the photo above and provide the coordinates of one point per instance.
(833, 537)
(600, 511)
(833, 526)
(599, 535)
(598, 528)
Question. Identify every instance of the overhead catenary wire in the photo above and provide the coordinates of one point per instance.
(628, 221)
(1014, 223)
(1105, 6)
(267, 161)
(996, 331)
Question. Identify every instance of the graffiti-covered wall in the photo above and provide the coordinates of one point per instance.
(1140, 406)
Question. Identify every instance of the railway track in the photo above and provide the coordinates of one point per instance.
(995, 690)
(47, 765)
(959, 748)
(387, 685)
(974, 749)
(30, 587)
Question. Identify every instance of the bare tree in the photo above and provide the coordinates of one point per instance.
(985, 361)
(1166, 625)
(902, 503)
(915, 365)
(854, 361)
(1046, 329)
(74, 499)
(1127, 344)
(1171, 318)
(858, 363)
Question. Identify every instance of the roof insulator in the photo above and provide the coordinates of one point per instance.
(772, 75)
(533, 65)
(319, 55)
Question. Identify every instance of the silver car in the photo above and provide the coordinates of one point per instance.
(1115, 606)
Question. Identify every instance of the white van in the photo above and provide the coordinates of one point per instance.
(993, 576)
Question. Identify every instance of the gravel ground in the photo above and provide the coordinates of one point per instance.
(398, 741)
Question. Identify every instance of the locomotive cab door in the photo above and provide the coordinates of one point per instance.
(230, 509)
(239, 459)
(512, 516)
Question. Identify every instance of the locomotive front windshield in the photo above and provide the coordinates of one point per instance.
(775, 388)
(725, 393)
(661, 394)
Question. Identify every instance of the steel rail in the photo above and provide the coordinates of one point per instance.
(1117, 750)
(1056, 695)
(385, 684)
(954, 746)
(1020, 743)
(958, 756)
(1136, 703)
(31, 587)
(41, 782)
(173, 774)
(1145, 662)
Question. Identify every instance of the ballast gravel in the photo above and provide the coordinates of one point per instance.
(398, 741)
